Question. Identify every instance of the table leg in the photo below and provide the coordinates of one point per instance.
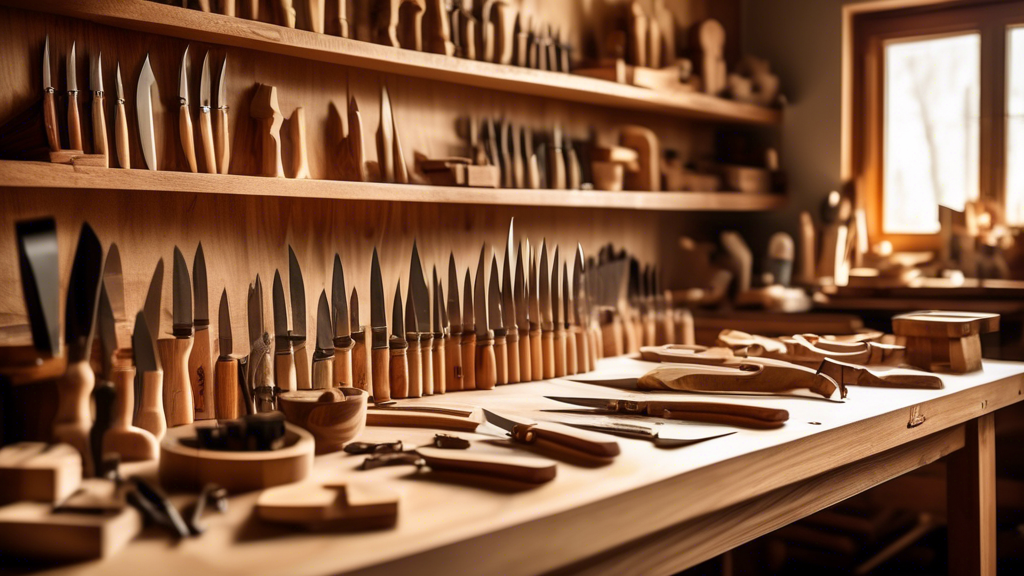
(971, 500)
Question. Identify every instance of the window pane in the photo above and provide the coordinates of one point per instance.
(1015, 128)
(931, 139)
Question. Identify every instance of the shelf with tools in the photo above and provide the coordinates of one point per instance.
(154, 18)
(18, 174)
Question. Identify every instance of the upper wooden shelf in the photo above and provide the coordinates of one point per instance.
(151, 17)
(16, 174)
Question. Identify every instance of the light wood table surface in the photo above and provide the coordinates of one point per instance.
(653, 511)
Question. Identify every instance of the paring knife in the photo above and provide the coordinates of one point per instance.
(360, 366)
(73, 419)
(438, 349)
(199, 360)
(150, 414)
(205, 120)
(581, 322)
(99, 117)
(414, 385)
(174, 352)
(454, 381)
(385, 138)
(151, 312)
(342, 335)
(398, 369)
(556, 438)
(38, 259)
(468, 335)
(103, 394)
(323, 356)
(508, 313)
(144, 111)
(421, 300)
(284, 360)
(547, 323)
(712, 412)
(297, 292)
(485, 362)
(74, 121)
(121, 124)
(49, 102)
(185, 115)
(522, 317)
(222, 138)
(257, 366)
(497, 323)
(379, 353)
(227, 367)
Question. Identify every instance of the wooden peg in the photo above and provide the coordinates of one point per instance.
(130, 442)
(300, 158)
(265, 108)
(178, 404)
(645, 142)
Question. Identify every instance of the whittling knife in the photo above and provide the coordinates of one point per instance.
(297, 292)
(38, 259)
(150, 399)
(468, 335)
(660, 434)
(144, 110)
(74, 121)
(174, 352)
(379, 353)
(485, 367)
(185, 115)
(99, 117)
(421, 300)
(712, 412)
(104, 394)
(222, 139)
(413, 356)
(323, 356)
(227, 367)
(556, 438)
(199, 360)
(341, 328)
(284, 361)
(454, 371)
(205, 118)
(49, 102)
(121, 124)
(398, 369)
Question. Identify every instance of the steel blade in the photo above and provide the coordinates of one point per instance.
(445, 325)
(340, 319)
(47, 79)
(324, 331)
(297, 290)
(281, 338)
(182, 296)
(353, 311)
(108, 333)
(144, 111)
(40, 284)
(505, 422)
(519, 291)
(183, 79)
(199, 289)
(144, 346)
(418, 293)
(453, 294)
(508, 306)
(566, 311)
(544, 276)
(533, 290)
(435, 325)
(577, 287)
(96, 73)
(222, 85)
(118, 87)
(556, 293)
(113, 283)
(83, 295)
(483, 331)
(468, 318)
(397, 322)
(601, 403)
(72, 70)
(378, 317)
(152, 306)
(254, 309)
(204, 82)
(411, 322)
(386, 120)
(224, 326)
(495, 318)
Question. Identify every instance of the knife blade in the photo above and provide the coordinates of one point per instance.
(480, 315)
(149, 414)
(468, 335)
(199, 290)
(323, 356)
(398, 368)
(184, 115)
(435, 325)
(121, 123)
(662, 436)
(508, 305)
(557, 438)
(385, 138)
(398, 321)
(439, 333)
(144, 110)
(495, 317)
(519, 291)
(49, 102)
(199, 362)
(378, 317)
(358, 361)
(566, 310)
(577, 287)
(40, 273)
(297, 291)
(454, 316)
(108, 334)
(74, 121)
(712, 412)
(224, 326)
(469, 311)
(342, 328)
(99, 117)
(533, 292)
(254, 309)
(420, 294)
(413, 356)
(353, 310)
(226, 375)
(556, 294)
(222, 141)
(544, 273)
(181, 295)
(179, 402)
(205, 117)
(282, 340)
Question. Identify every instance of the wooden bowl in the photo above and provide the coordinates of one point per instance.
(185, 467)
(333, 416)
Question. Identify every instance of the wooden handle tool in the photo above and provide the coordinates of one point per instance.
(150, 416)
(342, 10)
(454, 374)
(188, 144)
(315, 12)
(343, 363)
(525, 359)
(426, 364)
(284, 371)
(505, 31)
(537, 355)
(398, 371)
(121, 135)
(512, 354)
(300, 158)
(439, 353)
(227, 388)
(486, 368)
(547, 339)
(204, 5)
(740, 376)
(73, 419)
(559, 347)
(99, 129)
(380, 372)
(74, 122)
(265, 108)
(206, 133)
(227, 7)
(579, 334)
(516, 468)
(500, 361)
(596, 346)
(286, 13)
(360, 369)
(178, 404)
(203, 391)
(130, 442)
(323, 373)
(469, 361)
(254, 9)
(562, 439)
(50, 119)
(222, 139)
(850, 375)
(571, 355)
(414, 377)
(301, 359)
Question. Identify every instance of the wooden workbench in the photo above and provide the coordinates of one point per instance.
(654, 511)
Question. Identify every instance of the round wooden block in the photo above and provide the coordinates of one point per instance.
(333, 416)
(185, 467)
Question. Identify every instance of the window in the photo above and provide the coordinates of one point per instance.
(938, 109)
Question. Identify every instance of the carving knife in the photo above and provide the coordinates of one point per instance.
(144, 111)
(74, 121)
(73, 419)
(486, 364)
(508, 312)
(99, 117)
(284, 360)
(174, 352)
(49, 102)
(297, 291)
(711, 412)
(536, 338)
(399, 367)
(421, 300)
(40, 274)
(847, 374)
(205, 120)
(121, 124)
(439, 336)
(453, 325)
(569, 337)
(150, 414)
(557, 313)
(360, 368)
(227, 367)
(495, 319)
(556, 439)
(355, 142)
(379, 354)
(547, 324)
(521, 316)
(323, 356)
(188, 144)
(342, 334)
(580, 324)
(660, 434)
(199, 360)
(468, 335)
(222, 138)
(256, 365)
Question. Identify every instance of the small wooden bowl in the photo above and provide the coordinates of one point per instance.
(183, 466)
(333, 416)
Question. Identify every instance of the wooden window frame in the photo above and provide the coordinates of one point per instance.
(864, 68)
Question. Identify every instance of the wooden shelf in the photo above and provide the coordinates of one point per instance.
(14, 174)
(151, 17)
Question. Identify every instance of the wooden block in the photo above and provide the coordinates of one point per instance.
(33, 530)
(410, 419)
(483, 176)
(944, 324)
(645, 142)
(39, 472)
(330, 505)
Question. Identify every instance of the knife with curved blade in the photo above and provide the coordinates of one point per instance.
(421, 300)
(468, 339)
(486, 363)
(398, 370)
(297, 292)
(222, 140)
(226, 383)
(497, 322)
(200, 360)
(144, 110)
(150, 399)
(38, 260)
(174, 352)
(570, 338)
(49, 102)
(188, 144)
(440, 338)
(360, 363)
(284, 361)
(341, 338)
(522, 315)
(508, 312)
(379, 353)
(323, 356)
(579, 328)
(454, 375)
(556, 439)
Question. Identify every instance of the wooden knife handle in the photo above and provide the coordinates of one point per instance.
(297, 131)
(399, 373)
(630, 337)
(726, 419)
(415, 376)
(74, 122)
(188, 144)
(287, 13)
(301, 356)
(548, 353)
(132, 443)
(512, 354)
(99, 130)
(591, 443)
(315, 9)
(360, 368)
(537, 355)
(525, 360)
(284, 371)
(227, 389)
(206, 133)
(533, 173)
(486, 364)
(556, 167)
(124, 385)
(227, 7)
(438, 352)
(571, 355)
(468, 360)
(517, 468)
(50, 120)
(323, 373)
(343, 367)
(151, 410)
(121, 136)
(579, 334)
(204, 5)
(500, 361)
(178, 404)
(199, 361)
(611, 337)
(522, 39)
(381, 375)
(453, 373)
(561, 364)
(657, 408)
(222, 141)
(426, 366)
(73, 420)
(254, 9)
(596, 346)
